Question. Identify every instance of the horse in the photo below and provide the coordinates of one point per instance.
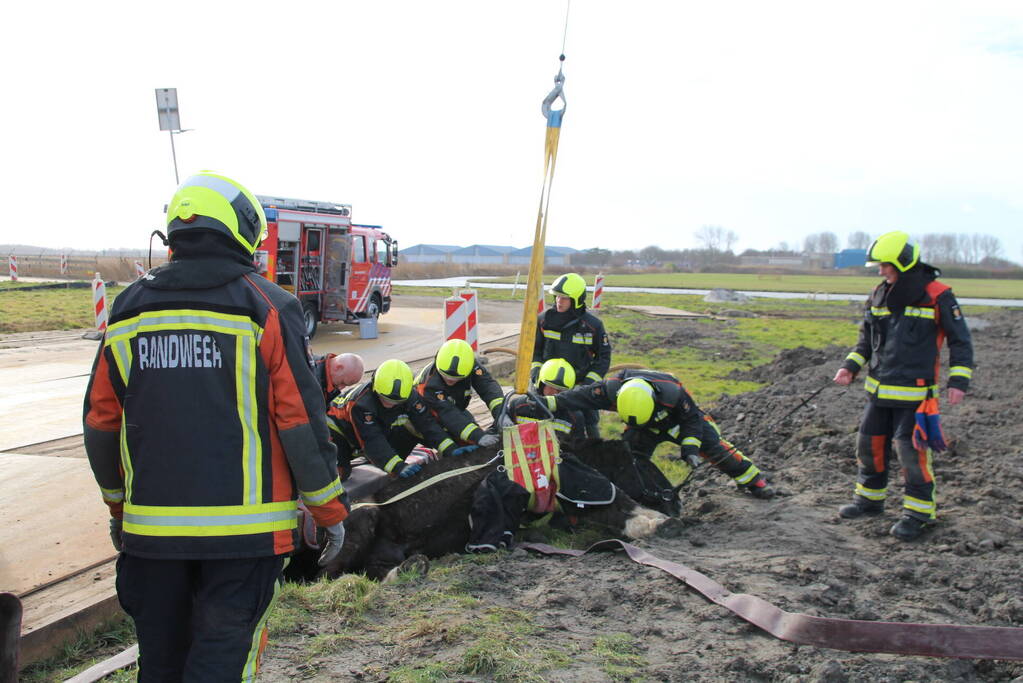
(435, 520)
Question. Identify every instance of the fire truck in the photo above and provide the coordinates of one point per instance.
(339, 270)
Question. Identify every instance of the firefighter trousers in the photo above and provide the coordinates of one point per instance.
(198, 620)
(714, 448)
(884, 431)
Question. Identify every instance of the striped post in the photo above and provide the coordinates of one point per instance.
(454, 318)
(12, 266)
(598, 290)
(540, 305)
(471, 317)
(63, 264)
(139, 270)
(99, 302)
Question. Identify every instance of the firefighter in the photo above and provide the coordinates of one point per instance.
(447, 384)
(905, 321)
(337, 372)
(567, 330)
(656, 407)
(372, 418)
(203, 426)
(556, 375)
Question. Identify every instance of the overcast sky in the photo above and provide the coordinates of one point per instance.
(773, 120)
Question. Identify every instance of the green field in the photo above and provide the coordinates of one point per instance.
(824, 284)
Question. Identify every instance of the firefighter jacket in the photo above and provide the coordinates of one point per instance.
(358, 417)
(321, 372)
(900, 341)
(449, 404)
(203, 424)
(577, 336)
(569, 424)
(676, 416)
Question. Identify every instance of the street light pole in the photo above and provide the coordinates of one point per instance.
(170, 120)
(174, 156)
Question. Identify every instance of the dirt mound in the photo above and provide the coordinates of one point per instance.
(792, 551)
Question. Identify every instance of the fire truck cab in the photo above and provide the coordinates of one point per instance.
(339, 270)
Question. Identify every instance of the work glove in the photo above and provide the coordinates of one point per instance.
(335, 539)
(116, 533)
(693, 461)
(410, 469)
(927, 431)
(464, 450)
(489, 440)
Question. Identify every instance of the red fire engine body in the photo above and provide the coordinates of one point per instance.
(339, 270)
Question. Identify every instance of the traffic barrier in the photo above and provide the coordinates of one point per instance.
(63, 264)
(139, 270)
(99, 305)
(471, 317)
(454, 318)
(598, 290)
(12, 266)
(541, 304)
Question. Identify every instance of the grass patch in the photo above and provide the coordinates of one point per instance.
(83, 651)
(619, 655)
(49, 309)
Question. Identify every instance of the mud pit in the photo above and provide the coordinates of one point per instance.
(792, 551)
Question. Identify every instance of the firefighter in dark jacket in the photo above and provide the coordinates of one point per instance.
(905, 321)
(567, 330)
(447, 384)
(204, 426)
(374, 419)
(656, 408)
(556, 375)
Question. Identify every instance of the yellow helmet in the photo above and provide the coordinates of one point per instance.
(393, 380)
(894, 248)
(635, 402)
(207, 201)
(573, 286)
(558, 373)
(455, 358)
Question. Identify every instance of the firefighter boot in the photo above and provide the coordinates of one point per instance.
(759, 488)
(908, 528)
(860, 508)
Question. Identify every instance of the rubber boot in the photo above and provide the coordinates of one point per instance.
(860, 508)
(908, 528)
(760, 489)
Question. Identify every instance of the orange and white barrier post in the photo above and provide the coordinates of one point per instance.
(541, 304)
(598, 290)
(12, 266)
(99, 303)
(63, 264)
(471, 318)
(139, 270)
(455, 318)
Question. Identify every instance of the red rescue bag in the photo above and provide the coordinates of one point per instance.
(531, 457)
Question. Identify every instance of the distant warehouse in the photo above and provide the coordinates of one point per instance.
(851, 258)
(483, 254)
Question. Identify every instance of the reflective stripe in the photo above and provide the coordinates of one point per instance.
(594, 376)
(129, 471)
(552, 334)
(586, 339)
(153, 321)
(252, 660)
(469, 429)
(392, 463)
(324, 495)
(445, 444)
(879, 311)
(225, 520)
(252, 445)
(535, 364)
(856, 358)
(552, 403)
(927, 507)
(749, 475)
(112, 495)
(561, 426)
(898, 393)
(692, 441)
(496, 402)
(400, 420)
(674, 431)
(960, 371)
(871, 494)
(920, 312)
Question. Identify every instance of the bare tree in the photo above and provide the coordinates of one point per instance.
(988, 247)
(811, 244)
(711, 237)
(858, 240)
(828, 243)
(730, 239)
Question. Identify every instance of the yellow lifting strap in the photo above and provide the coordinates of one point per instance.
(534, 283)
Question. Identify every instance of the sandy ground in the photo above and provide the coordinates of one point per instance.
(792, 551)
